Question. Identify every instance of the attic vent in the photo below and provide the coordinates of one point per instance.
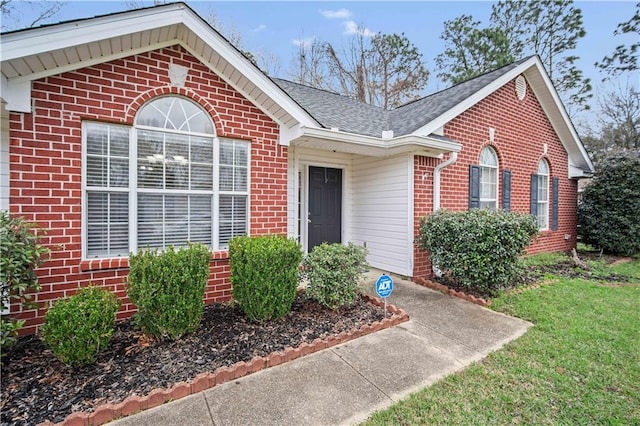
(521, 87)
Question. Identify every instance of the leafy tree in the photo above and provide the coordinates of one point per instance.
(608, 212)
(624, 58)
(384, 69)
(12, 18)
(548, 28)
(471, 51)
(618, 122)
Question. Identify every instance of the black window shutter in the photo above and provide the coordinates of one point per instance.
(474, 187)
(506, 190)
(534, 195)
(554, 203)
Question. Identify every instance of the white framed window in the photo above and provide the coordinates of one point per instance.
(185, 184)
(488, 178)
(543, 195)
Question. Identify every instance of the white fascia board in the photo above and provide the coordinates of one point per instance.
(566, 123)
(444, 118)
(237, 60)
(408, 141)
(50, 38)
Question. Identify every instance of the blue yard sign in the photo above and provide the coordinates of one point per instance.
(384, 286)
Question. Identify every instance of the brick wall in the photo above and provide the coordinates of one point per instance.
(46, 163)
(521, 130)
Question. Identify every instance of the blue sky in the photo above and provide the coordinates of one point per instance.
(277, 26)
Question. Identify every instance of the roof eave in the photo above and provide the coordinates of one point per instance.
(186, 28)
(351, 143)
(551, 104)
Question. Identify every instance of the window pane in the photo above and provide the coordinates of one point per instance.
(488, 157)
(202, 177)
(119, 173)
(226, 152)
(96, 171)
(200, 219)
(172, 112)
(240, 179)
(202, 150)
(119, 141)
(150, 221)
(241, 154)
(107, 224)
(150, 159)
(97, 139)
(226, 178)
(233, 217)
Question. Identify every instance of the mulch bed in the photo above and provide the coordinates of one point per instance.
(37, 387)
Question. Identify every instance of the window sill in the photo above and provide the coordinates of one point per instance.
(123, 262)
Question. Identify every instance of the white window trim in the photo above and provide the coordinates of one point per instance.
(497, 169)
(133, 189)
(544, 204)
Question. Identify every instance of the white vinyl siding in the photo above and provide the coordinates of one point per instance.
(380, 211)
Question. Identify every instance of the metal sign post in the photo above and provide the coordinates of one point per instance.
(384, 287)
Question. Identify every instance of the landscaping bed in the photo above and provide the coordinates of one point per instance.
(36, 387)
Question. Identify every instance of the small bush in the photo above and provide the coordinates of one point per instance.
(609, 211)
(20, 255)
(335, 274)
(168, 289)
(78, 328)
(478, 248)
(264, 275)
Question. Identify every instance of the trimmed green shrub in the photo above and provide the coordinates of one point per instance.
(168, 289)
(79, 327)
(264, 275)
(609, 210)
(20, 255)
(335, 273)
(478, 248)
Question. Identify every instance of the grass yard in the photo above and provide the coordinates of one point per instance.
(579, 364)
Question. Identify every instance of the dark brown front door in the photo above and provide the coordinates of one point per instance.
(325, 206)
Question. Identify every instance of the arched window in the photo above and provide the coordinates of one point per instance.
(488, 178)
(185, 184)
(543, 194)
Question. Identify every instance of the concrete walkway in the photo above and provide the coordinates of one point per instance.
(346, 383)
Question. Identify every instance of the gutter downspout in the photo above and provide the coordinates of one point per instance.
(436, 179)
(436, 196)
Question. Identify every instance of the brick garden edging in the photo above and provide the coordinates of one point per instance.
(451, 292)
(133, 404)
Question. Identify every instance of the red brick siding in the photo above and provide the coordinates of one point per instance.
(422, 206)
(46, 162)
(521, 130)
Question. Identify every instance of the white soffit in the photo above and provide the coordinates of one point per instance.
(36, 53)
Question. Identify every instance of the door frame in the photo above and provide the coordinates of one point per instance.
(304, 202)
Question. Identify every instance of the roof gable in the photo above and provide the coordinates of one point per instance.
(31, 54)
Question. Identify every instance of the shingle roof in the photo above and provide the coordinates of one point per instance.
(349, 115)
(334, 110)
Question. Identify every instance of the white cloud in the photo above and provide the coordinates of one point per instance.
(336, 14)
(260, 28)
(303, 42)
(351, 28)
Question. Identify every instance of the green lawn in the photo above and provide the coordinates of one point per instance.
(579, 364)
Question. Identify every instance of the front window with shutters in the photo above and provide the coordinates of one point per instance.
(488, 179)
(543, 195)
(185, 184)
